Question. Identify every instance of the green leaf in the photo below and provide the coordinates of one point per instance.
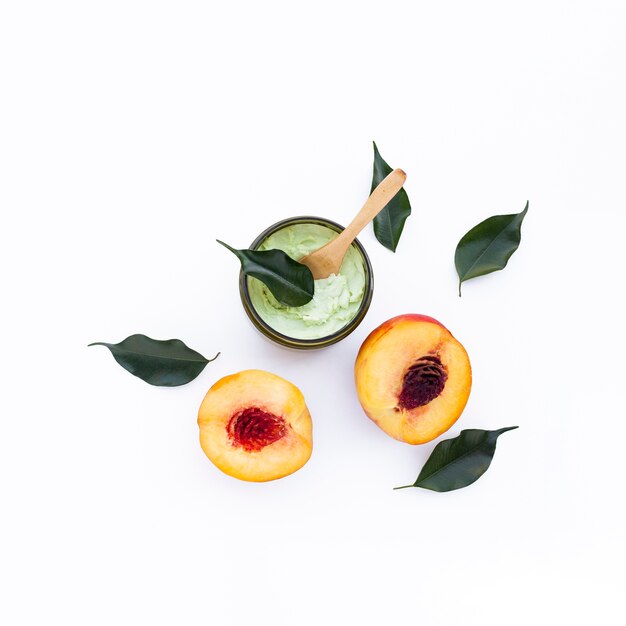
(291, 282)
(388, 224)
(487, 247)
(167, 363)
(457, 463)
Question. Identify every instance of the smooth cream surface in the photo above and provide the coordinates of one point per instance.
(336, 300)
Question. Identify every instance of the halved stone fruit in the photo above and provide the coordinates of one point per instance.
(413, 378)
(255, 426)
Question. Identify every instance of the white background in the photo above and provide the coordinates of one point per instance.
(135, 133)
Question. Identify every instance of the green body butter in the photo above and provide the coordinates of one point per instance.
(336, 300)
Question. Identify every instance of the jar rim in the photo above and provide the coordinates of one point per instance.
(294, 342)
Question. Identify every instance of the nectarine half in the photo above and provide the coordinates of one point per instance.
(255, 426)
(413, 378)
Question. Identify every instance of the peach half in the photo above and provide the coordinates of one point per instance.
(413, 378)
(255, 426)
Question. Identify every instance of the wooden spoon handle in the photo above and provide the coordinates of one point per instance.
(379, 198)
(327, 260)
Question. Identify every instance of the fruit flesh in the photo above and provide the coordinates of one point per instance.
(255, 426)
(383, 364)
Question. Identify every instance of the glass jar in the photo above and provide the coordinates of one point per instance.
(293, 342)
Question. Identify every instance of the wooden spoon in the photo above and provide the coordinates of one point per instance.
(327, 260)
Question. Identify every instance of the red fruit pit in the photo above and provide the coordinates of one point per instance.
(423, 382)
(252, 429)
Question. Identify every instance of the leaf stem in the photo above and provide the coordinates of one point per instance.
(403, 487)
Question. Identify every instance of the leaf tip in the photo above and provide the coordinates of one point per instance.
(522, 213)
(235, 252)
